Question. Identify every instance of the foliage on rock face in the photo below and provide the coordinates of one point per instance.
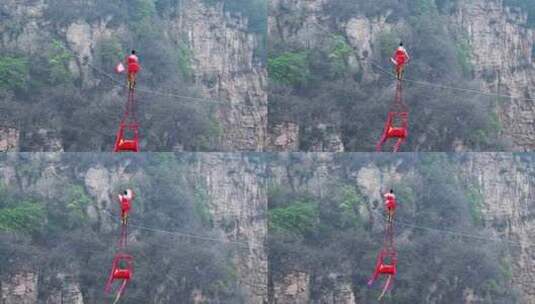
(475, 200)
(297, 218)
(290, 69)
(184, 60)
(56, 226)
(354, 105)
(344, 236)
(13, 72)
(338, 57)
(23, 216)
(58, 64)
(464, 52)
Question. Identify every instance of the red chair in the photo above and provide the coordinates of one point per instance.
(122, 270)
(389, 269)
(397, 132)
(386, 264)
(396, 127)
(123, 144)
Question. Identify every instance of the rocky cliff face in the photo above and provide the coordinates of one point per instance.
(297, 286)
(307, 30)
(222, 49)
(20, 289)
(507, 184)
(502, 46)
(9, 139)
(225, 66)
(284, 137)
(235, 187)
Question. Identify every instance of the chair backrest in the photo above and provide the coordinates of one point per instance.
(397, 125)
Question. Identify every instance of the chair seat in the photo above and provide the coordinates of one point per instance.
(122, 274)
(387, 269)
(128, 145)
(397, 133)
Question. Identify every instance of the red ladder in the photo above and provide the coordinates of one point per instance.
(397, 123)
(386, 263)
(124, 143)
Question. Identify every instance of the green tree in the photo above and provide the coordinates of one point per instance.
(58, 63)
(338, 55)
(13, 73)
(298, 218)
(77, 203)
(25, 216)
(289, 68)
(347, 203)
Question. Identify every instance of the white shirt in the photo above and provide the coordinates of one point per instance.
(133, 57)
(390, 196)
(129, 195)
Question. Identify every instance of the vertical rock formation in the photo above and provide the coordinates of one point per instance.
(225, 66)
(237, 188)
(507, 185)
(42, 140)
(342, 293)
(293, 288)
(284, 137)
(305, 29)
(68, 293)
(329, 140)
(21, 288)
(502, 47)
(9, 139)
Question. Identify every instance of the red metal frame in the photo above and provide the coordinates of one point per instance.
(124, 237)
(119, 273)
(386, 263)
(397, 123)
(129, 122)
(123, 144)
